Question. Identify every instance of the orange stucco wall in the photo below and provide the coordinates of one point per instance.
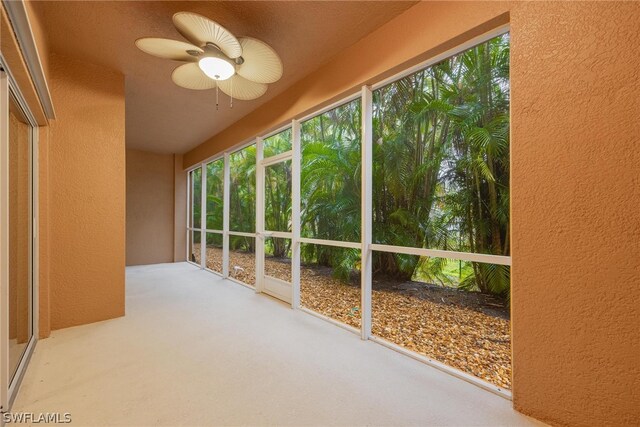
(87, 187)
(67, 262)
(156, 208)
(575, 218)
(150, 207)
(575, 185)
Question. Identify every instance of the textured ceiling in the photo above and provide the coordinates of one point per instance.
(163, 117)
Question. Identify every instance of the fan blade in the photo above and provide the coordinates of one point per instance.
(261, 63)
(238, 87)
(190, 76)
(168, 49)
(200, 30)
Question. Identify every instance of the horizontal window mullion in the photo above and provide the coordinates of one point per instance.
(241, 234)
(278, 158)
(277, 234)
(334, 243)
(438, 253)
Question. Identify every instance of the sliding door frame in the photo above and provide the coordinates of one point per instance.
(9, 381)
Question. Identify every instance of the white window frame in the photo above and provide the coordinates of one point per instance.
(191, 228)
(204, 216)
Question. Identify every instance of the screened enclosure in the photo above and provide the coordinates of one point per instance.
(386, 213)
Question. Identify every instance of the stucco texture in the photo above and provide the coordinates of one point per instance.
(87, 201)
(575, 217)
(574, 193)
(150, 207)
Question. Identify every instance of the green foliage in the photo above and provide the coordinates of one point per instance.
(196, 198)
(441, 167)
(242, 206)
(277, 144)
(345, 262)
(215, 194)
(277, 197)
(440, 174)
(330, 175)
(214, 240)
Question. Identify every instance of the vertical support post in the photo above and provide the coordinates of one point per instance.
(366, 209)
(203, 216)
(226, 199)
(259, 216)
(4, 237)
(189, 217)
(295, 213)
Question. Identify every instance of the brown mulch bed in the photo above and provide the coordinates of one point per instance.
(242, 265)
(466, 330)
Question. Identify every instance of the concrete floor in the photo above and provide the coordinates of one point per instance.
(195, 349)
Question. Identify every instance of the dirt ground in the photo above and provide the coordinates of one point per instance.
(466, 330)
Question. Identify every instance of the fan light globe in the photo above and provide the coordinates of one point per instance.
(216, 68)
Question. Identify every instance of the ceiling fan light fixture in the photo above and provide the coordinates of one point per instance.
(216, 68)
(216, 59)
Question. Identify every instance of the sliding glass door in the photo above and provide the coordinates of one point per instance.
(20, 259)
(18, 320)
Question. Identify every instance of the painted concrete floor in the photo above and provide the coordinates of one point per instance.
(195, 349)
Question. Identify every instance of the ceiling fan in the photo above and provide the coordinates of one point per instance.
(240, 67)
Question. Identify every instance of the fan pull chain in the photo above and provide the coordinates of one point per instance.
(216, 97)
(231, 104)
